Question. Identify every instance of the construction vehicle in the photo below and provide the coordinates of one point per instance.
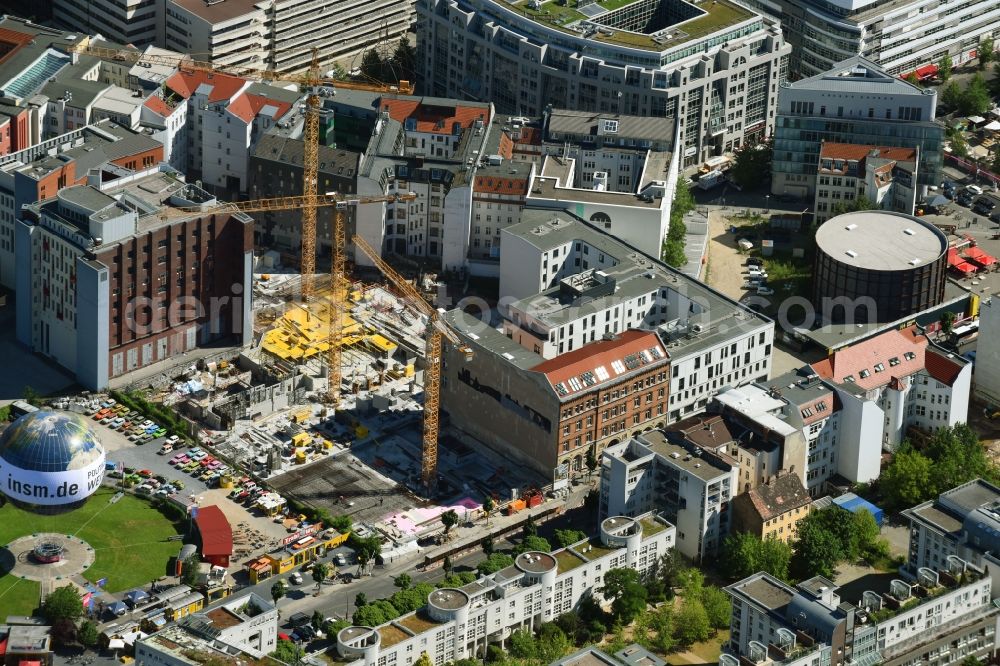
(310, 82)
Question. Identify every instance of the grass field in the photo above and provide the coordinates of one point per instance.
(129, 539)
(17, 596)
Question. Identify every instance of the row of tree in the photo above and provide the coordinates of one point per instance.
(950, 458)
(673, 245)
(824, 538)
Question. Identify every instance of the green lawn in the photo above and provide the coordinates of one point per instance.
(128, 537)
(17, 596)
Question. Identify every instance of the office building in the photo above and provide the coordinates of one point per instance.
(856, 102)
(280, 34)
(40, 171)
(772, 510)
(712, 67)
(846, 172)
(565, 285)
(690, 487)
(961, 523)
(986, 382)
(245, 627)
(459, 623)
(901, 37)
(941, 618)
(887, 384)
(119, 280)
(127, 22)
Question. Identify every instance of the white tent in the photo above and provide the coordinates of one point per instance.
(993, 126)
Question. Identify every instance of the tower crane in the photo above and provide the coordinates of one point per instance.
(309, 82)
(437, 329)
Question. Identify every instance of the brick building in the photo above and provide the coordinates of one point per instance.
(119, 282)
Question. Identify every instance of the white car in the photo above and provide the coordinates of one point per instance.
(295, 578)
(974, 189)
(765, 291)
(172, 440)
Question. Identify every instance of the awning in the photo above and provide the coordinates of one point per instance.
(30, 662)
(976, 119)
(993, 126)
(116, 644)
(927, 71)
(980, 257)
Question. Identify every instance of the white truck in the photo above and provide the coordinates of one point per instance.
(711, 179)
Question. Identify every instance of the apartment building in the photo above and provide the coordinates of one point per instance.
(689, 486)
(901, 37)
(961, 523)
(118, 281)
(246, 625)
(459, 623)
(280, 34)
(713, 68)
(942, 618)
(40, 171)
(230, 129)
(887, 177)
(772, 510)
(125, 21)
(886, 384)
(791, 423)
(854, 102)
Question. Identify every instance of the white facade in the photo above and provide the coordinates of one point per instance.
(688, 486)
(228, 40)
(168, 122)
(986, 381)
(536, 589)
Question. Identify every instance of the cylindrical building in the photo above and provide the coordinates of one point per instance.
(878, 266)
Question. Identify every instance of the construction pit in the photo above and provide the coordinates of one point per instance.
(364, 458)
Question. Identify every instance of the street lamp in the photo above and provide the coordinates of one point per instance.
(767, 203)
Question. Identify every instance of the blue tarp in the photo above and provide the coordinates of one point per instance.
(853, 503)
(135, 596)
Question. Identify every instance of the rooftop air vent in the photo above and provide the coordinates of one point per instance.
(851, 227)
(852, 254)
(908, 231)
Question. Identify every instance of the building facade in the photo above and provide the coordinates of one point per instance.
(690, 487)
(715, 69)
(886, 177)
(459, 623)
(900, 37)
(128, 22)
(772, 510)
(857, 102)
(114, 287)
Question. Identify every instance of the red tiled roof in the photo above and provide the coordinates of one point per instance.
(224, 86)
(497, 185)
(434, 119)
(888, 349)
(157, 105)
(599, 359)
(857, 152)
(248, 105)
(216, 533)
(780, 495)
(942, 368)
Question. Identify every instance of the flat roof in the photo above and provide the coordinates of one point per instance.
(710, 17)
(701, 466)
(764, 590)
(448, 599)
(881, 240)
(592, 123)
(548, 187)
(535, 562)
(217, 12)
(937, 517)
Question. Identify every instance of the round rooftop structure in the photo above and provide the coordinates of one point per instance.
(50, 461)
(447, 604)
(535, 562)
(619, 531)
(897, 261)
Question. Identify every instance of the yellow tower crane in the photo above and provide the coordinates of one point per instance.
(437, 329)
(309, 82)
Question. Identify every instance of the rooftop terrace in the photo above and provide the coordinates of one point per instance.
(654, 25)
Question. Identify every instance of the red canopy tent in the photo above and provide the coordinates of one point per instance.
(927, 72)
(959, 263)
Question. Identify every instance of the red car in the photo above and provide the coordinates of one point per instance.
(145, 473)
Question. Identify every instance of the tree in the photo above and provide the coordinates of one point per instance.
(533, 543)
(568, 537)
(717, 607)
(317, 620)
(865, 534)
(88, 634)
(944, 68)
(951, 96)
(947, 321)
(371, 65)
(744, 554)
(447, 565)
(31, 396)
(62, 603)
(907, 480)
(673, 253)
(189, 570)
(752, 164)
(670, 570)
(488, 506)
(817, 549)
(691, 624)
(616, 580)
(591, 461)
(522, 645)
(631, 603)
(488, 545)
(288, 652)
(404, 59)
(342, 524)
(530, 528)
(361, 599)
(449, 519)
(278, 591)
(424, 660)
(552, 642)
(913, 78)
(402, 581)
(971, 661)
(985, 52)
(320, 572)
(64, 632)
(976, 97)
(494, 563)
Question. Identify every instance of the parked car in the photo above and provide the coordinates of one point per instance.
(755, 261)
(340, 560)
(295, 578)
(974, 190)
(765, 291)
(964, 199)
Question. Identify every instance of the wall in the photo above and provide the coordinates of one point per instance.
(861, 427)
